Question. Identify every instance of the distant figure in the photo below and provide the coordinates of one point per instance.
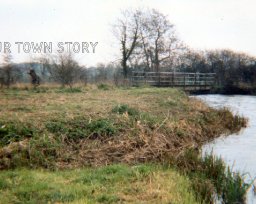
(35, 80)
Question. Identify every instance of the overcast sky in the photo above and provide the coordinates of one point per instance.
(201, 24)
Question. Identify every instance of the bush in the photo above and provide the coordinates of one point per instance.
(14, 132)
(101, 127)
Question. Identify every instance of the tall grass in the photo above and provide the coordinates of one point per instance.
(210, 176)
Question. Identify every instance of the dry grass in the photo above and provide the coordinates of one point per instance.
(62, 128)
(44, 104)
(168, 122)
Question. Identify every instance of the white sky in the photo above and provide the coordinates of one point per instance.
(201, 24)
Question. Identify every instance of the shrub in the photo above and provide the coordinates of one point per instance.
(14, 132)
(101, 127)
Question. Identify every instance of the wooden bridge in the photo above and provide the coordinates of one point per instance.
(188, 81)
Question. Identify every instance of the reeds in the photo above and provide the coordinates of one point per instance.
(210, 176)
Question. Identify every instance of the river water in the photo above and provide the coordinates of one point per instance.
(237, 150)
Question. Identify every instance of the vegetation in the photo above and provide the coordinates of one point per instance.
(148, 43)
(123, 108)
(13, 132)
(103, 86)
(210, 177)
(111, 184)
(103, 144)
(235, 72)
(64, 69)
(8, 73)
(93, 127)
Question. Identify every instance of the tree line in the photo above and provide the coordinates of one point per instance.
(233, 69)
(62, 69)
(148, 42)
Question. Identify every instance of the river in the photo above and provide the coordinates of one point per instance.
(237, 150)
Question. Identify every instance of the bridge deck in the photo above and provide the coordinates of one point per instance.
(202, 81)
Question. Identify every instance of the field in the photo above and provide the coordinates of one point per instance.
(104, 144)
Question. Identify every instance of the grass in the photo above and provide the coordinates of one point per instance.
(68, 90)
(74, 131)
(210, 176)
(13, 132)
(104, 87)
(123, 108)
(111, 184)
(79, 128)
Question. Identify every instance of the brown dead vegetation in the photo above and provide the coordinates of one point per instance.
(171, 124)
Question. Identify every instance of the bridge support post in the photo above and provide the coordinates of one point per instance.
(194, 81)
(172, 79)
(184, 81)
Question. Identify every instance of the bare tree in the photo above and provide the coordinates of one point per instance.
(194, 61)
(64, 69)
(7, 70)
(83, 75)
(148, 39)
(127, 32)
(101, 73)
(158, 39)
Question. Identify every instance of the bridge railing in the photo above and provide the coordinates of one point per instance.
(179, 79)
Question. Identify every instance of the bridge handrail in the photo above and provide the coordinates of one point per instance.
(173, 78)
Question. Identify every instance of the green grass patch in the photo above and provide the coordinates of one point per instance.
(124, 108)
(80, 128)
(68, 90)
(101, 127)
(104, 87)
(111, 184)
(14, 132)
(43, 152)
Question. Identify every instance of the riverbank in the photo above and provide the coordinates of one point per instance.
(91, 127)
(235, 90)
(231, 91)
